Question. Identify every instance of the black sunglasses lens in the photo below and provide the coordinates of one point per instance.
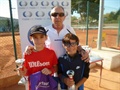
(66, 43)
(55, 14)
(73, 44)
(61, 14)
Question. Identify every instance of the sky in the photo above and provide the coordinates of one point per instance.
(113, 5)
(4, 8)
(109, 5)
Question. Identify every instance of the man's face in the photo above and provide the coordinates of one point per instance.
(57, 16)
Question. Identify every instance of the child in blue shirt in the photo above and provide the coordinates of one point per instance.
(71, 60)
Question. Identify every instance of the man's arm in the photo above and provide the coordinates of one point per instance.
(28, 50)
(85, 55)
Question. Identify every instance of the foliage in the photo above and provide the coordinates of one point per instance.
(117, 15)
(74, 20)
(5, 24)
(112, 17)
(81, 7)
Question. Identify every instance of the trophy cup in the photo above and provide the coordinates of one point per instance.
(70, 73)
(19, 63)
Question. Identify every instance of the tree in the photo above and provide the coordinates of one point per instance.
(8, 24)
(74, 20)
(81, 7)
(112, 17)
(117, 15)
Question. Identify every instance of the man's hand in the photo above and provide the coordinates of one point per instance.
(28, 50)
(85, 55)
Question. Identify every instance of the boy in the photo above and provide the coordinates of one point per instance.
(72, 61)
(41, 59)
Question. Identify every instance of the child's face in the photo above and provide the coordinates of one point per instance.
(71, 48)
(38, 39)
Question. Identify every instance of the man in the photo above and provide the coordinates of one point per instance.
(56, 31)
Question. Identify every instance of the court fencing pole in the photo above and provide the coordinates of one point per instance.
(13, 35)
(118, 36)
(100, 27)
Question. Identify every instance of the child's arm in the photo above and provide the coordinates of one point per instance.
(80, 83)
(85, 76)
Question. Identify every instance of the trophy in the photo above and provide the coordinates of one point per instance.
(70, 73)
(19, 63)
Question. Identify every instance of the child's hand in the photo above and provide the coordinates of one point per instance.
(46, 71)
(22, 71)
(68, 82)
(76, 87)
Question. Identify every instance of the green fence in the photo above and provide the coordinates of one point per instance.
(110, 26)
(7, 47)
(89, 21)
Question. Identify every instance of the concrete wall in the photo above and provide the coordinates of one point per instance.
(111, 57)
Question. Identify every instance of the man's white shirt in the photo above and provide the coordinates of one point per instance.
(54, 40)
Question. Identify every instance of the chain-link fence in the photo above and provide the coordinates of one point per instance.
(111, 27)
(7, 54)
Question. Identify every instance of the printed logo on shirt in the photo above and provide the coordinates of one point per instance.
(42, 84)
(38, 64)
(77, 67)
(58, 40)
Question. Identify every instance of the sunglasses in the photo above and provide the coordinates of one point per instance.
(56, 14)
(68, 44)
